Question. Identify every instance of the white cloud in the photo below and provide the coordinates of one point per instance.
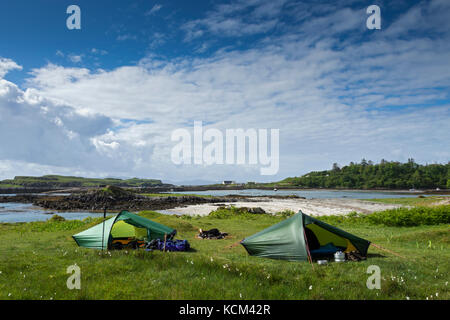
(153, 10)
(238, 18)
(75, 58)
(99, 51)
(125, 37)
(37, 130)
(7, 65)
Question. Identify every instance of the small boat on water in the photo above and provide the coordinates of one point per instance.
(275, 189)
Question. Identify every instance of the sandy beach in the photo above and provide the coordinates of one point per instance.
(316, 207)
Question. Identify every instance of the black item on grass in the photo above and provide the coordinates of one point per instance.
(211, 234)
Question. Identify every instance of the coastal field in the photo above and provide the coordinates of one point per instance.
(35, 257)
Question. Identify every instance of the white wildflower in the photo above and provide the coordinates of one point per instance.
(310, 287)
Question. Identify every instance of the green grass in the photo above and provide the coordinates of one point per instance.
(399, 217)
(56, 181)
(419, 201)
(34, 258)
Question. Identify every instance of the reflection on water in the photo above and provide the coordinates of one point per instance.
(23, 212)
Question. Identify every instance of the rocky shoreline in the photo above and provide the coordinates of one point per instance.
(114, 198)
(92, 203)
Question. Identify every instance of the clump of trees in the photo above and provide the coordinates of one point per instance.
(383, 175)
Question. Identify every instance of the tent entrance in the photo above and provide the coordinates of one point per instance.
(122, 229)
(323, 243)
(125, 235)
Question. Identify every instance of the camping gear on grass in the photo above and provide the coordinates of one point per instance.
(211, 234)
(354, 256)
(127, 243)
(339, 256)
(119, 229)
(168, 245)
(291, 238)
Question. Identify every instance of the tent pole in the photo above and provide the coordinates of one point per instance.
(165, 239)
(103, 232)
(307, 249)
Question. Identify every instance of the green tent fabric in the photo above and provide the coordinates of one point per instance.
(92, 237)
(286, 240)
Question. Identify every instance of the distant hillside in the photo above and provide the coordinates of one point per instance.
(53, 181)
(384, 175)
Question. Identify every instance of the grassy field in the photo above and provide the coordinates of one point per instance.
(418, 201)
(55, 181)
(34, 258)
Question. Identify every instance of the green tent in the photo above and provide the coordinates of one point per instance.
(125, 224)
(289, 239)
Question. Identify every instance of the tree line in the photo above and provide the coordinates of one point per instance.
(383, 175)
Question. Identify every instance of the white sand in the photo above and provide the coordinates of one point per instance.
(309, 206)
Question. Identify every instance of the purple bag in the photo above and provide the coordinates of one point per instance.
(173, 245)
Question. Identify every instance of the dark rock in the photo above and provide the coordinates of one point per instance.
(256, 210)
(116, 199)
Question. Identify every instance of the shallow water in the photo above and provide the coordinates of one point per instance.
(308, 194)
(24, 212)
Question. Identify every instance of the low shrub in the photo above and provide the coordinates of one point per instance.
(231, 212)
(285, 213)
(56, 217)
(399, 217)
(407, 217)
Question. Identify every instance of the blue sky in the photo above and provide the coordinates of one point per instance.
(103, 100)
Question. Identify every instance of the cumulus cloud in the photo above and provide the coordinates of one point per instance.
(35, 129)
